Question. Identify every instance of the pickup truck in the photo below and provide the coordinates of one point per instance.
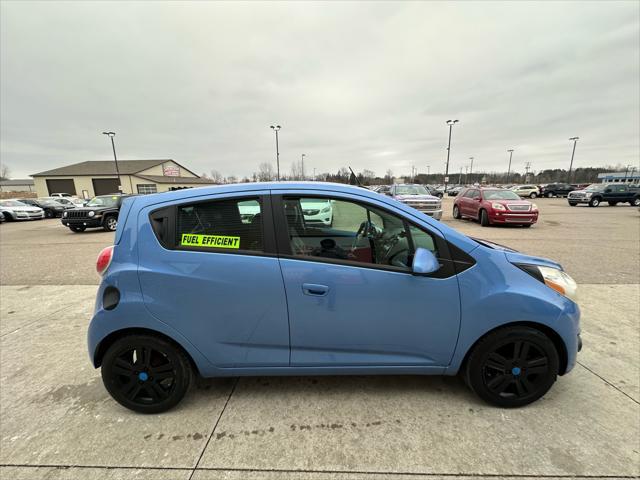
(613, 194)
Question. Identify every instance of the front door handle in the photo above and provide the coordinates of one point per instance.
(315, 289)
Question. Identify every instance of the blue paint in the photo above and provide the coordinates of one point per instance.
(241, 315)
(516, 371)
(143, 376)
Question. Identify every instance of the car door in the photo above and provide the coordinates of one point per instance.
(352, 298)
(474, 203)
(208, 267)
(464, 201)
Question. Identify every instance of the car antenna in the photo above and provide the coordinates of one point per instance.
(354, 177)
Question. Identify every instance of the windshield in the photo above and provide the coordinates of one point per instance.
(106, 201)
(411, 190)
(596, 187)
(12, 203)
(51, 203)
(500, 195)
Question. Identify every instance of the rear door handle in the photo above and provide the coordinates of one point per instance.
(314, 289)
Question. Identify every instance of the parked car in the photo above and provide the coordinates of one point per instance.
(495, 205)
(530, 191)
(2, 219)
(101, 212)
(51, 208)
(557, 190)
(613, 194)
(61, 195)
(454, 191)
(416, 196)
(389, 291)
(72, 202)
(434, 191)
(14, 210)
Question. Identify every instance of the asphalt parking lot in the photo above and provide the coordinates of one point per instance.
(58, 422)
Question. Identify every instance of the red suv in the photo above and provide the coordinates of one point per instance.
(494, 205)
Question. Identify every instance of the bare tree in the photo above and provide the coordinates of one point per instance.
(265, 172)
(296, 171)
(231, 179)
(368, 176)
(388, 177)
(216, 176)
(5, 172)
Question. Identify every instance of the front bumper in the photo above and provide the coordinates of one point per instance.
(513, 217)
(579, 199)
(82, 222)
(29, 216)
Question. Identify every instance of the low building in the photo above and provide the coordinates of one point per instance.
(26, 185)
(88, 179)
(632, 177)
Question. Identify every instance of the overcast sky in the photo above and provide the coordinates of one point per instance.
(363, 84)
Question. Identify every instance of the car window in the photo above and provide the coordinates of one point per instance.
(356, 233)
(104, 201)
(12, 203)
(221, 225)
(500, 195)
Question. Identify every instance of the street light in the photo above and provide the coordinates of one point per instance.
(276, 129)
(302, 166)
(509, 169)
(115, 158)
(573, 152)
(451, 123)
(471, 167)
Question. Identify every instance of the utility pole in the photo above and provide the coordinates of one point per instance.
(460, 177)
(314, 174)
(573, 152)
(471, 167)
(451, 123)
(466, 174)
(302, 165)
(509, 169)
(115, 157)
(526, 168)
(276, 129)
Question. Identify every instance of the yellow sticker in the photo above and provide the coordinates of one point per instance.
(213, 241)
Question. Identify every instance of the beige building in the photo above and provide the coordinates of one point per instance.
(88, 179)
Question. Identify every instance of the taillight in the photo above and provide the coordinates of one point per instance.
(104, 260)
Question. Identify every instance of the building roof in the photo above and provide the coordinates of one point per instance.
(179, 180)
(103, 167)
(10, 183)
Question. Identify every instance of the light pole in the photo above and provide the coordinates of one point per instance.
(276, 129)
(471, 167)
(302, 166)
(115, 157)
(509, 169)
(451, 123)
(573, 152)
(314, 174)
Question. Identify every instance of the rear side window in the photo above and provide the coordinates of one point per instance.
(222, 226)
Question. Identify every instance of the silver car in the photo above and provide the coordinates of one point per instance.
(15, 210)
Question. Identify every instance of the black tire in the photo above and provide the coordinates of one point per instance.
(456, 212)
(484, 218)
(635, 202)
(110, 223)
(145, 373)
(533, 195)
(573, 204)
(549, 195)
(49, 213)
(8, 217)
(612, 204)
(512, 367)
(594, 202)
(77, 229)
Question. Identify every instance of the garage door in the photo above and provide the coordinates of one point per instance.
(105, 186)
(65, 185)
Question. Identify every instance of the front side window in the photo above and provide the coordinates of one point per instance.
(104, 201)
(357, 233)
(221, 225)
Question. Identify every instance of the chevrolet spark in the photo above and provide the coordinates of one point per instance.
(236, 281)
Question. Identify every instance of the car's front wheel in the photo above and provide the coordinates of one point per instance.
(512, 366)
(484, 218)
(49, 214)
(456, 212)
(636, 202)
(145, 373)
(549, 195)
(533, 195)
(594, 202)
(111, 223)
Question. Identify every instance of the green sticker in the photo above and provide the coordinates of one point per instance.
(213, 241)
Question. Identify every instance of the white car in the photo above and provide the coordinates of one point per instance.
(317, 211)
(15, 210)
(530, 191)
(72, 202)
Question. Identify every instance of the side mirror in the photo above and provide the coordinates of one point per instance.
(424, 262)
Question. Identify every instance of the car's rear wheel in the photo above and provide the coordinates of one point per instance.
(49, 214)
(110, 223)
(594, 202)
(77, 229)
(549, 195)
(484, 218)
(512, 366)
(145, 373)
(456, 212)
(533, 195)
(636, 202)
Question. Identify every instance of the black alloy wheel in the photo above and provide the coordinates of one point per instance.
(49, 213)
(145, 373)
(513, 366)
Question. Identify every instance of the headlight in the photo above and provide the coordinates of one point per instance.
(91, 213)
(554, 278)
(498, 206)
(65, 214)
(588, 194)
(326, 210)
(534, 206)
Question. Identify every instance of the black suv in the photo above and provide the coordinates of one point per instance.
(556, 190)
(613, 194)
(100, 212)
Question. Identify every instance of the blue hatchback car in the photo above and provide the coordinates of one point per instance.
(244, 280)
